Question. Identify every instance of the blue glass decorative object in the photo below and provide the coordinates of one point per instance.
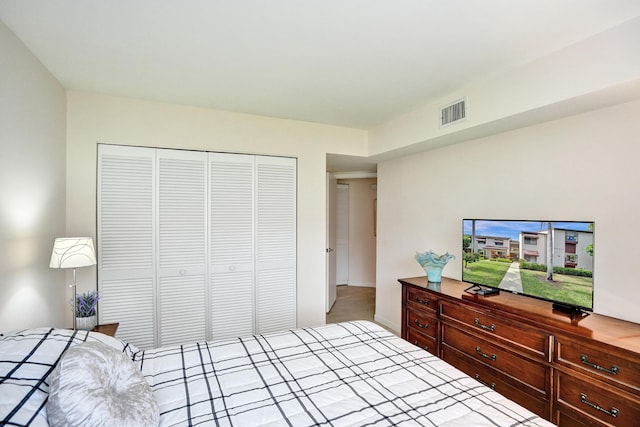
(433, 264)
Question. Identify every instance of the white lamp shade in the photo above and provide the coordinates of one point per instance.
(72, 252)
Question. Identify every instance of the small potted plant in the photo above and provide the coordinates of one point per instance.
(85, 310)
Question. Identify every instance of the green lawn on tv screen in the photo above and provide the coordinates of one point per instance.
(572, 290)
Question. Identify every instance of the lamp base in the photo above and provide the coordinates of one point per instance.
(74, 299)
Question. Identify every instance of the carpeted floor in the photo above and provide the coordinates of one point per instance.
(353, 303)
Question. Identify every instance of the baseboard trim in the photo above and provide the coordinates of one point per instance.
(363, 285)
(395, 328)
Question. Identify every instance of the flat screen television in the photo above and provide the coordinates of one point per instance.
(548, 260)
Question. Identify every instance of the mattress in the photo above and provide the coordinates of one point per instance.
(345, 374)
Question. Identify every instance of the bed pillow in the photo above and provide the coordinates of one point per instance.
(97, 385)
(129, 349)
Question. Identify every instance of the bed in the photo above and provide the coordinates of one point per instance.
(345, 374)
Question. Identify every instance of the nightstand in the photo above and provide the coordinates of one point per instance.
(107, 329)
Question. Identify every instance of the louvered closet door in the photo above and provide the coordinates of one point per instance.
(126, 268)
(275, 244)
(231, 192)
(182, 234)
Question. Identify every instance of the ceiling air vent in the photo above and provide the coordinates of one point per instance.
(453, 113)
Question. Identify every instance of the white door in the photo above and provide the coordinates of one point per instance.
(331, 242)
(232, 247)
(126, 241)
(342, 234)
(275, 211)
(181, 246)
(195, 245)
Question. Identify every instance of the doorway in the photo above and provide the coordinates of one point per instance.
(351, 240)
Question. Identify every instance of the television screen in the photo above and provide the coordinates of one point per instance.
(549, 260)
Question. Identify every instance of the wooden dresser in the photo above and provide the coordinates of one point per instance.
(581, 372)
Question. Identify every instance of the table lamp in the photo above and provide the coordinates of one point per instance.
(73, 252)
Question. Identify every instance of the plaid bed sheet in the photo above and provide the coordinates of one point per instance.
(347, 374)
(26, 360)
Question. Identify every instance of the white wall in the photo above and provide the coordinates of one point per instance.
(593, 73)
(362, 241)
(584, 167)
(94, 118)
(32, 188)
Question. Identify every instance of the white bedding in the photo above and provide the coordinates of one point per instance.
(347, 374)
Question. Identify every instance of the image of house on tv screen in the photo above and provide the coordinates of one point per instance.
(550, 260)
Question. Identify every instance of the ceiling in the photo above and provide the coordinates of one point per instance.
(353, 63)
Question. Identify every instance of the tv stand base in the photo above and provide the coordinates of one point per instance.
(479, 290)
(573, 312)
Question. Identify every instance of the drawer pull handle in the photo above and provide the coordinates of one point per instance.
(491, 328)
(424, 348)
(492, 386)
(614, 412)
(422, 301)
(421, 325)
(485, 355)
(613, 371)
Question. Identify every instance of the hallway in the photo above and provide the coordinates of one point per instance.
(353, 303)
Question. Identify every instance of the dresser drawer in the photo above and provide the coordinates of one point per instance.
(422, 300)
(534, 374)
(565, 418)
(423, 341)
(605, 364)
(534, 342)
(492, 379)
(595, 402)
(425, 323)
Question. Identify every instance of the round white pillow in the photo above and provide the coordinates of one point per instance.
(94, 384)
